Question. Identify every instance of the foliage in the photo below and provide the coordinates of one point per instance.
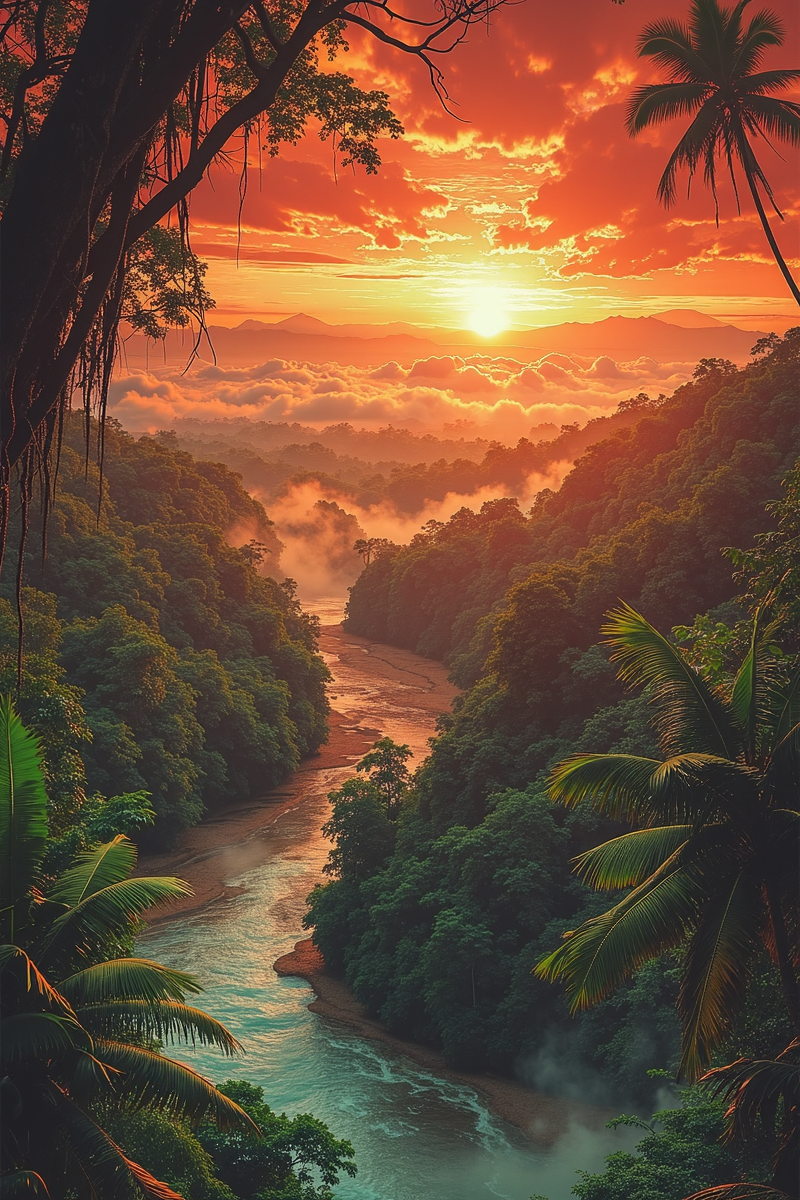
(385, 766)
(669, 1163)
(79, 1027)
(297, 1158)
(159, 656)
(712, 859)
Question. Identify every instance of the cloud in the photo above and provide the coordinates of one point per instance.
(498, 397)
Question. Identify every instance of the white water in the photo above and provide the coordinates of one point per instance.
(417, 1137)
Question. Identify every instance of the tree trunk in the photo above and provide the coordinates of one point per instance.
(770, 236)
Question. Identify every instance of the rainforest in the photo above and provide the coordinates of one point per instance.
(399, 600)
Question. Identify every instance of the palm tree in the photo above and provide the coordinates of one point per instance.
(713, 862)
(80, 1021)
(713, 78)
(764, 1100)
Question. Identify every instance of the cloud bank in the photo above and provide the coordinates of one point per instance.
(497, 397)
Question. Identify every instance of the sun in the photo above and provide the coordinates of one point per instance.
(487, 313)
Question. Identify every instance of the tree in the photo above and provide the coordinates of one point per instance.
(79, 1019)
(763, 1098)
(387, 770)
(283, 1165)
(370, 548)
(126, 104)
(362, 834)
(713, 862)
(713, 76)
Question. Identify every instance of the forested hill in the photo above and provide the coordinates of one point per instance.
(155, 653)
(437, 916)
(643, 514)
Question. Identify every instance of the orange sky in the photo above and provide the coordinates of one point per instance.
(537, 207)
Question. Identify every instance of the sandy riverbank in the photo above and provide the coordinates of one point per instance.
(541, 1118)
(244, 832)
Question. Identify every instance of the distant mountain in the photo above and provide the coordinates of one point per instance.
(307, 338)
(688, 318)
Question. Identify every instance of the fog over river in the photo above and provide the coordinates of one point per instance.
(416, 1136)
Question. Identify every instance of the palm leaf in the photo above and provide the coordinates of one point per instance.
(105, 913)
(94, 870)
(670, 45)
(715, 968)
(657, 102)
(775, 118)
(618, 785)
(39, 1036)
(604, 951)
(127, 979)
(100, 1164)
(765, 29)
(768, 81)
(22, 1183)
(755, 1089)
(153, 1079)
(740, 1191)
(23, 812)
(14, 959)
(690, 716)
(628, 860)
(166, 1020)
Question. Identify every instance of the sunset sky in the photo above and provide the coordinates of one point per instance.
(535, 208)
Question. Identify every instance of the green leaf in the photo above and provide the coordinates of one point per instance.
(100, 1163)
(607, 949)
(107, 913)
(153, 1079)
(37, 1037)
(618, 785)
(23, 812)
(127, 979)
(166, 1020)
(632, 858)
(94, 870)
(716, 965)
(689, 714)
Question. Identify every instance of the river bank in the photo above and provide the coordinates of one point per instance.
(541, 1118)
(243, 836)
(376, 690)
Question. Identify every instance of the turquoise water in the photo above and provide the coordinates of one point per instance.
(417, 1137)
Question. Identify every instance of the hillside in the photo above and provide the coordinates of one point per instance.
(155, 651)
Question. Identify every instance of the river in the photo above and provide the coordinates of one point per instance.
(417, 1136)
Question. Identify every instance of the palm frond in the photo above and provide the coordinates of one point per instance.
(670, 45)
(740, 1191)
(99, 1162)
(23, 812)
(94, 870)
(39, 1036)
(619, 785)
(768, 81)
(127, 979)
(750, 697)
(775, 118)
(604, 951)
(755, 1089)
(628, 860)
(153, 1079)
(107, 912)
(765, 29)
(22, 1183)
(166, 1020)
(658, 102)
(716, 967)
(15, 960)
(712, 30)
(689, 714)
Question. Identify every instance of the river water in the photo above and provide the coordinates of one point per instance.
(416, 1136)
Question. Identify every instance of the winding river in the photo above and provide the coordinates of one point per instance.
(417, 1136)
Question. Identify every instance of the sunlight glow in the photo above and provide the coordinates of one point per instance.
(488, 315)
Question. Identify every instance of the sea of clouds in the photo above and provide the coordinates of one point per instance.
(494, 396)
